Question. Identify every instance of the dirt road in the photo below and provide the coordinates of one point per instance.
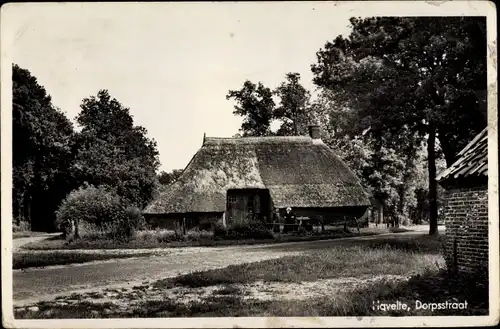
(19, 242)
(44, 283)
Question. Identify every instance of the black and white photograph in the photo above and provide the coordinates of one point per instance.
(249, 164)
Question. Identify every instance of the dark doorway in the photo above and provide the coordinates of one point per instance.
(245, 205)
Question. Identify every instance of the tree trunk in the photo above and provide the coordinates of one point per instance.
(431, 158)
(295, 130)
(77, 233)
(380, 212)
(18, 211)
(401, 202)
(27, 211)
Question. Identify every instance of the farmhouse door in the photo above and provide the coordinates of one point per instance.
(237, 208)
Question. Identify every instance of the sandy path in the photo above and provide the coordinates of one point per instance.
(43, 283)
(19, 242)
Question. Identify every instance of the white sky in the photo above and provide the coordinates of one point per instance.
(171, 64)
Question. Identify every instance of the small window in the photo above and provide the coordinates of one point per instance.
(231, 199)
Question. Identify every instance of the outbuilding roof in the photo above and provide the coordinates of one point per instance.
(298, 171)
(472, 161)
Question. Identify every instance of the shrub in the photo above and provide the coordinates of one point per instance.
(22, 227)
(220, 230)
(155, 236)
(124, 229)
(197, 235)
(93, 205)
(136, 219)
(91, 232)
(245, 230)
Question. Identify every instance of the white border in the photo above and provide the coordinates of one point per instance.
(374, 8)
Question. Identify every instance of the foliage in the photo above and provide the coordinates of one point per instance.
(255, 104)
(243, 230)
(167, 178)
(112, 151)
(41, 136)
(126, 228)
(50, 159)
(293, 107)
(94, 205)
(409, 79)
(21, 226)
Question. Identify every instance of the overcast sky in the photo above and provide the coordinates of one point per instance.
(172, 64)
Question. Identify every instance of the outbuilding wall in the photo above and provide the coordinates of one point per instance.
(466, 216)
(204, 221)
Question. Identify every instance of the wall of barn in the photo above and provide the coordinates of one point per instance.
(466, 220)
(202, 221)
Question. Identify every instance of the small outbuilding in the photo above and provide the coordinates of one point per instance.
(233, 180)
(466, 212)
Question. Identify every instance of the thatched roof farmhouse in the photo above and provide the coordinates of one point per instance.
(234, 178)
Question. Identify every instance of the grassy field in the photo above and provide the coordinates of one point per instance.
(166, 239)
(366, 259)
(353, 277)
(27, 260)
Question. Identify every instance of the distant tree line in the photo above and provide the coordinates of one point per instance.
(51, 158)
(397, 99)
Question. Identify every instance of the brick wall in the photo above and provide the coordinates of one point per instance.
(466, 216)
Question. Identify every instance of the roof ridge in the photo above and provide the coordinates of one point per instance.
(261, 137)
(258, 140)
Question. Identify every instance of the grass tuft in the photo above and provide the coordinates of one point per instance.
(26, 260)
(372, 258)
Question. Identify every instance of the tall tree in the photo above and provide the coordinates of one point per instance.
(112, 151)
(255, 104)
(41, 150)
(411, 77)
(293, 108)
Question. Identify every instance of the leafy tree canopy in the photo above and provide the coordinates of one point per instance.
(293, 107)
(114, 152)
(254, 102)
(402, 73)
(405, 79)
(41, 136)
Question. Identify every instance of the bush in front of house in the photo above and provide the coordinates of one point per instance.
(125, 228)
(244, 230)
(92, 207)
(196, 234)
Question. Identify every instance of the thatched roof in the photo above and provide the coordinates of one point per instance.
(298, 171)
(472, 161)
